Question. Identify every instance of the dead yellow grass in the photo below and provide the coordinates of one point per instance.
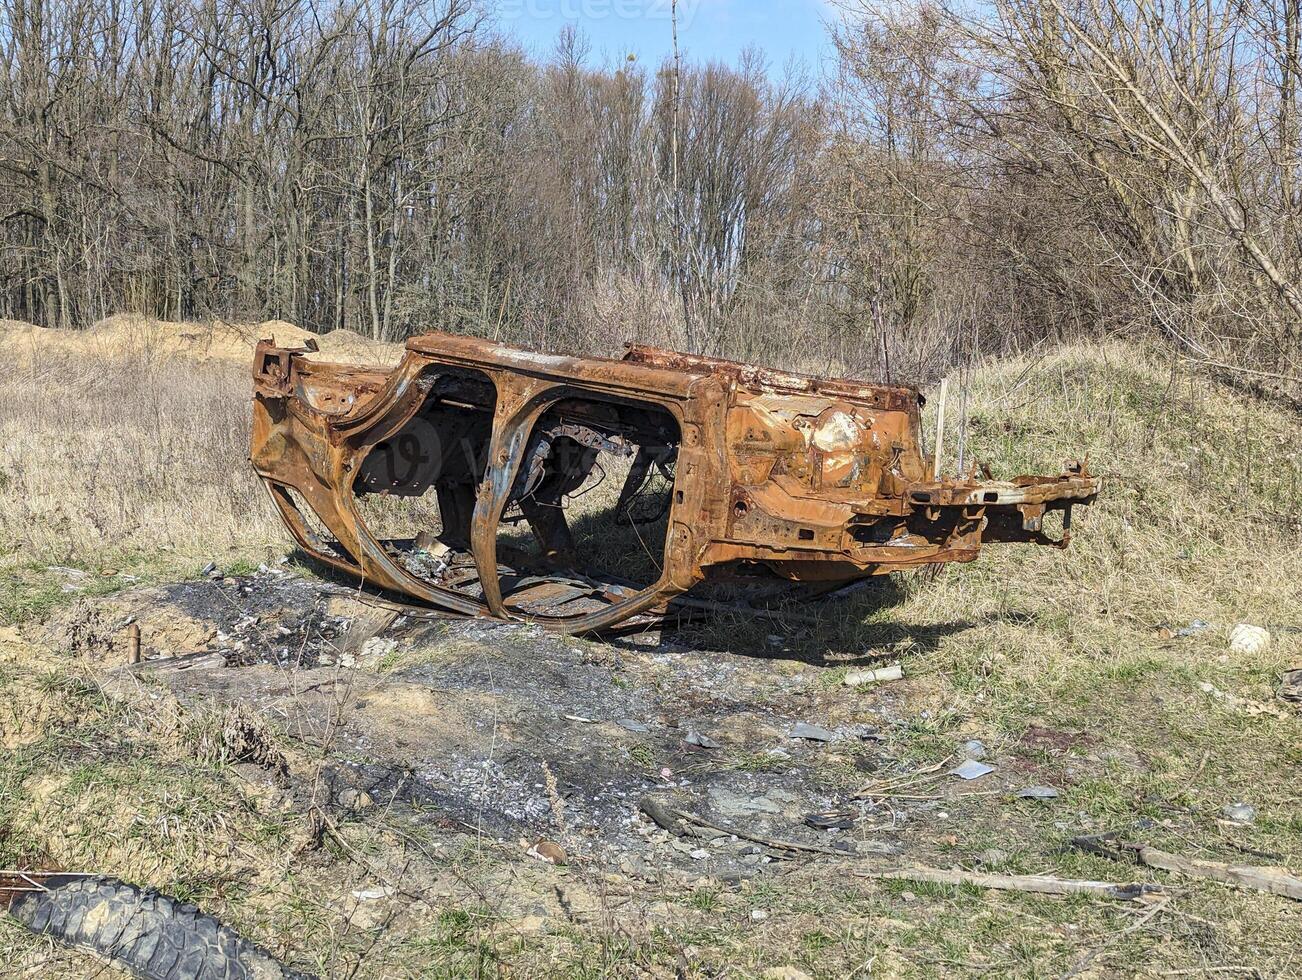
(129, 335)
(103, 460)
(128, 442)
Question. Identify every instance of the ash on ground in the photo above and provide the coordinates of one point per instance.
(512, 732)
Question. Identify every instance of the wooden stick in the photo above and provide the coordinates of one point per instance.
(1273, 881)
(1037, 884)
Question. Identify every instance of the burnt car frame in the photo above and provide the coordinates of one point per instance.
(766, 476)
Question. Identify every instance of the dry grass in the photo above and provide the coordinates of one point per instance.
(136, 465)
(1201, 519)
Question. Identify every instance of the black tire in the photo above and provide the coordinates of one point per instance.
(150, 935)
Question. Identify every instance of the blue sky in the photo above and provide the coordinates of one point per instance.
(708, 30)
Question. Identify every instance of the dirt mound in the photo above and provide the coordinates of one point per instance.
(19, 336)
(351, 347)
(131, 334)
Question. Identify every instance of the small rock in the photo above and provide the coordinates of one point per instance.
(974, 748)
(355, 799)
(700, 854)
(1239, 813)
(812, 732)
(971, 769)
(758, 915)
(1037, 793)
(908, 897)
(633, 726)
(549, 851)
(702, 741)
(633, 866)
(1248, 639)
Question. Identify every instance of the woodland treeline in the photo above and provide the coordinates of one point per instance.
(953, 180)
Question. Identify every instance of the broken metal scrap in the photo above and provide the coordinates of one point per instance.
(759, 476)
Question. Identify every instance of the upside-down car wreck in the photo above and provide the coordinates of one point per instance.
(587, 493)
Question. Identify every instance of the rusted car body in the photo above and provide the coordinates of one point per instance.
(763, 477)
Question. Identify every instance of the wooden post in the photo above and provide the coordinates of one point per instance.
(940, 427)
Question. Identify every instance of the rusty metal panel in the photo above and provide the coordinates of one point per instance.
(769, 475)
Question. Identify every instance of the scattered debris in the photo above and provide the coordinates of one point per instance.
(1038, 884)
(1244, 706)
(974, 748)
(1290, 687)
(209, 569)
(1240, 813)
(1194, 628)
(812, 733)
(971, 769)
(364, 629)
(376, 648)
(832, 820)
(374, 894)
(674, 820)
(633, 726)
(1037, 793)
(702, 741)
(133, 643)
(1275, 881)
(857, 678)
(1248, 639)
(545, 850)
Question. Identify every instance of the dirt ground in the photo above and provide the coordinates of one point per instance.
(374, 795)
